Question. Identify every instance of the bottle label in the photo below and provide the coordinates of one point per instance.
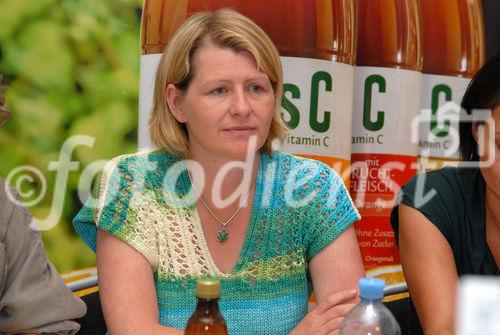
(317, 107)
(386, 103)
(440, 109)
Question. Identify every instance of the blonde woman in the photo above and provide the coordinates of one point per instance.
(168, 217)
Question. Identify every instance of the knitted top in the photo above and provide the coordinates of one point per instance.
(300, 206)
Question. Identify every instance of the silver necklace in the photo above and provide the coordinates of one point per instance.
(222, 233)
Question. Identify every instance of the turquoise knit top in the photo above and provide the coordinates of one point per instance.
(300, 206)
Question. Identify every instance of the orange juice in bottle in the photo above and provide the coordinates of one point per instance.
(386, 100)
(317, 44)
(453, 44)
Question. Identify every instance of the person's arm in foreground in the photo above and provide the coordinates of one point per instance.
(127, 290)
(335, 272)
(33, 297)
(430, 271)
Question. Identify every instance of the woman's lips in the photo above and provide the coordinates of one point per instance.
(240, 130)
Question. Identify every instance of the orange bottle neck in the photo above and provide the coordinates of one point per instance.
(299, 28)
(453, 37)
(389, 34)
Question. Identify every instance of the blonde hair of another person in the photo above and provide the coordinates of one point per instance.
(225, 28)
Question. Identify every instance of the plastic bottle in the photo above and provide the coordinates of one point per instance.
(317, 43)
(386, 100)
(206, 318)
(370, 316)
(453, 44)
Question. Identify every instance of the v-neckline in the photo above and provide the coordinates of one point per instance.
(248, 234)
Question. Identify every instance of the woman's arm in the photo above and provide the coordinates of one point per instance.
(335, 271)
(430, 271)
(127, 290)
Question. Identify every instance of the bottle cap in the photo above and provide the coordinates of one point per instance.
(208, 288)
(371, 288)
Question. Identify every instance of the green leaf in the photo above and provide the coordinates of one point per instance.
(41, 55)
(109, 126)
(38, 121)
(16, 13)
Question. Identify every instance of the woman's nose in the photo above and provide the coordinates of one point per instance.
(240, 104)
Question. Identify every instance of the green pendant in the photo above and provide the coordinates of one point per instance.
(222, 235)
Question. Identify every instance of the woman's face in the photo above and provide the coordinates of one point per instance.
(227, 102)
(491, 172)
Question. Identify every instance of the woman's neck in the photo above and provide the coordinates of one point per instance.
(492, 199)
(227, 177)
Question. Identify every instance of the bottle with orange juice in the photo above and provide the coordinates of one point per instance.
(453, 45)
(386, 101)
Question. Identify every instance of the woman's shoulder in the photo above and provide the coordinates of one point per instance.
(447, 181)
(146, 158)
(138, 164)
(304, 174)
(133, 172)
(290, 161)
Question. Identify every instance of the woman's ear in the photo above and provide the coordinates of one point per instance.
(174, 100)
(475, 130)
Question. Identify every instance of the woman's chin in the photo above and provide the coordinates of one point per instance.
(240, 154)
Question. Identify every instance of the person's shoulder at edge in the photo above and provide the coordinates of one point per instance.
(302, 162)
(143, 158)
(5, 189)
(6, 204)
(136, 163)
(449, 186)
(323, 178)
(443, 177)
(18, 238)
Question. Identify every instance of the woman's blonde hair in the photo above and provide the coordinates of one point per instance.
(225, 28)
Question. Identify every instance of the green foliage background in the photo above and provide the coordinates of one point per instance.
(72, 67)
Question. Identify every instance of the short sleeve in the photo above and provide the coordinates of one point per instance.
(433, 195)
(329, 213)
(118, 202)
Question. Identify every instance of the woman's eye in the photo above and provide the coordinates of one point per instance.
(255, 88)
(219, 90)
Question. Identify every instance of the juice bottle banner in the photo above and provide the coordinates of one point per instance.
(387, 88)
